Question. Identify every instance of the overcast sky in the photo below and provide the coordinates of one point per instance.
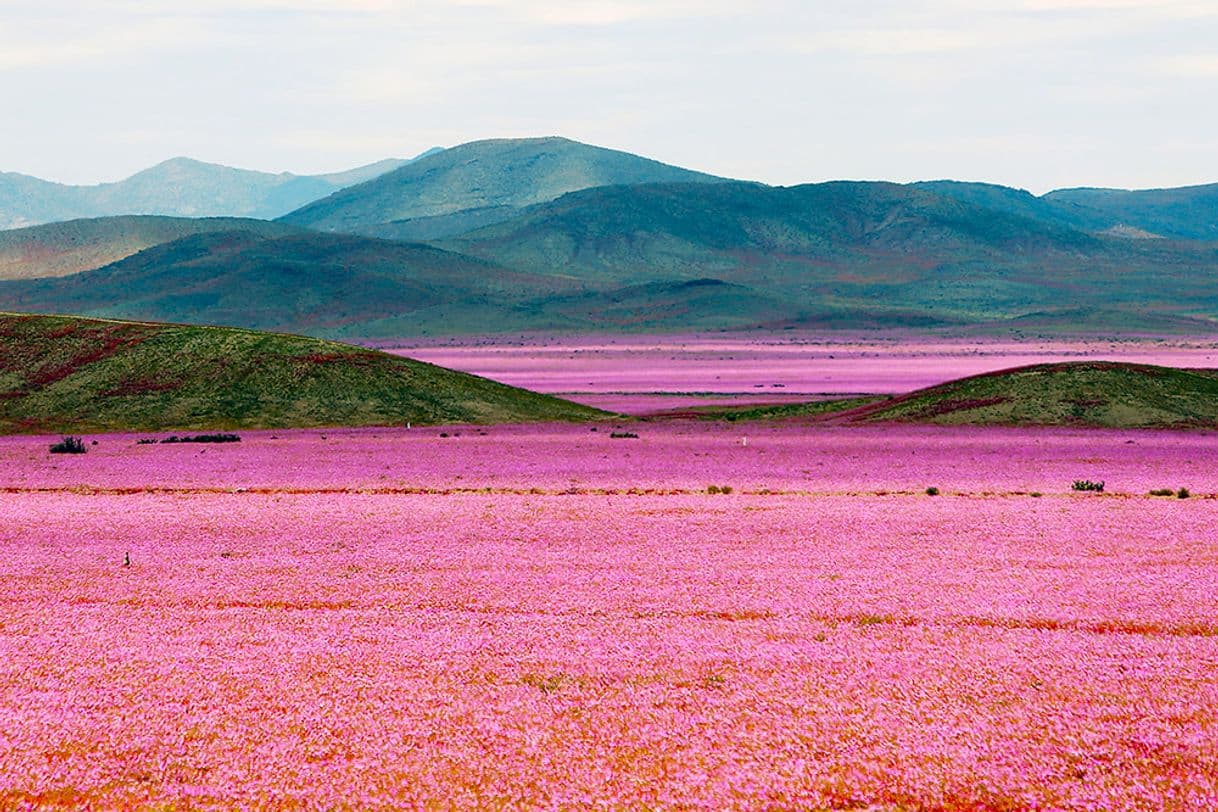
(1030, 93)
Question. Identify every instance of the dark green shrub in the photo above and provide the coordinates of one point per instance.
(932, 491)
(69, 445)
(203, 438)
(1182, 493)
(1088, 485)
(1162, 492)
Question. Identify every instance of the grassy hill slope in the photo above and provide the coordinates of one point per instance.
(491, 178)
(61, 249)
(1083, 393)
(67, 374)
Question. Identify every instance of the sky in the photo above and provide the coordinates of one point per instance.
(1037, 94)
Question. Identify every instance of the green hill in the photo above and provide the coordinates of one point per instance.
(61, 249)
(476, 184)
(742, 232)
(68, 374)
(1083, 393)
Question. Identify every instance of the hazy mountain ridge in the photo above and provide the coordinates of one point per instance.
(496, 178)
(307, 282)
(181, 187)
(65, 248)
(1184, 213)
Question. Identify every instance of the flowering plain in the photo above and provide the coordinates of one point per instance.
(545, 616)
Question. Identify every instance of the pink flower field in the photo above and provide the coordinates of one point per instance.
(543, 616)
(645, 374)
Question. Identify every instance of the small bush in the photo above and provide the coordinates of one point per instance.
(718, 488)
(1036, 494)
(932, 491)
(1088, 485)
(69, 445)
(712, 488)
(1162, 492)
(147, 441)
(623, 435)
(1182, 493)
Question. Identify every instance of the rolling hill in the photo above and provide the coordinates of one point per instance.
(320, 284)
(477, 184)
(178, 187)
(62, 249)
(66, 374)
(1083, 393)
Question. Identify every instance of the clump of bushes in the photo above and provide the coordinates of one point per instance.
(203, 438)
(1162, 492)
(932, 491)
(1182, 493)
(718, 488)
(1088, 485)
(623, 435)
(69, 445)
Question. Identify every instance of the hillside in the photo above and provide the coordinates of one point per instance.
(477, 184)
(633, 233)
(1084, 393)
(1189, 212)
(178, 187)
(857, 250)
(61, 249)
(320, 284)
(65, 374)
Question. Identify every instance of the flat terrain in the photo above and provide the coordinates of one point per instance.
(549, 616)
(648, 374)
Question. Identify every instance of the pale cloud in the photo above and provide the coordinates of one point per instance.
(1202, 66)
(64, 45)
(1036, 92)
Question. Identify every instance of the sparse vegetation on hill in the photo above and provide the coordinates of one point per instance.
(1085, 393)
(65, 374)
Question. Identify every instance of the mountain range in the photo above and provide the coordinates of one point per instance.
(551, 234)
(180, 187)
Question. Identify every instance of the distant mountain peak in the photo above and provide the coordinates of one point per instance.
(178, 186)
(494, 178)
